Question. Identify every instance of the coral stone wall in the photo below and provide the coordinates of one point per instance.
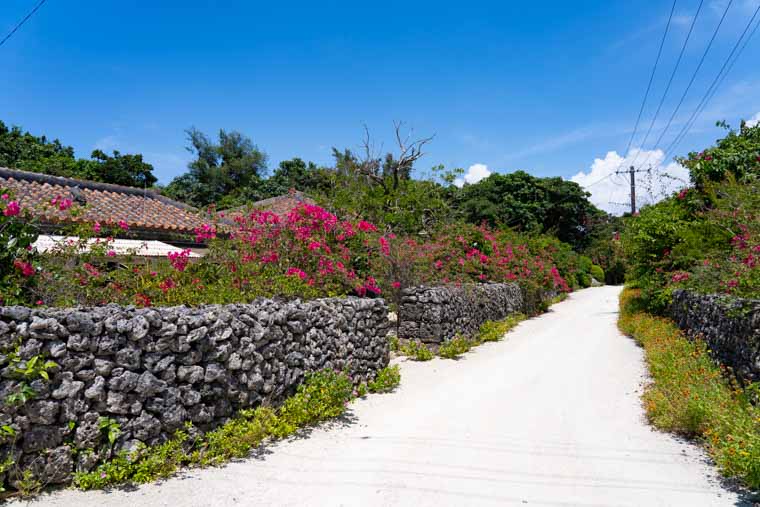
(436, 314)
(731, 328)
(153, 369)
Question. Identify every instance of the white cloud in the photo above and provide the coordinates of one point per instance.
(755, 120)
(474, 174)
(610, 192)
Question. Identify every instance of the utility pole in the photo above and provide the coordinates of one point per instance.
(633, 191)
(632, 172)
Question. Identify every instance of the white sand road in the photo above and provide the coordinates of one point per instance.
(549, 416)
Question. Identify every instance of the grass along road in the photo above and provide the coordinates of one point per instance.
(550, 416)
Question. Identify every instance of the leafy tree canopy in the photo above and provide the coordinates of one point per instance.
(296, 174)
(737, 154)
(529, 203)
(227, 172)
(23, 150)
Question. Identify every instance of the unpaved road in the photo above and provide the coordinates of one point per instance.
(549, 416)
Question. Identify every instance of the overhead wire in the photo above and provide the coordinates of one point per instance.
(691, 82)
(722, 73)
(670, 80)
(20, 23)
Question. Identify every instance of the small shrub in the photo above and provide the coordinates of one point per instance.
(691, 396)
(416, 351)
(386, 380)
(494, 331)
(323, 395)
(598, 273)
(455, 347)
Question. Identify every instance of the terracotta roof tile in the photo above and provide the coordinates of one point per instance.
(105, 203)
(280, 205)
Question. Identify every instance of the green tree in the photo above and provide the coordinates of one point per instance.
(295, 174)
(128, 170)
(532, 204)
(737, 154)
(22, 150)
(227, 172)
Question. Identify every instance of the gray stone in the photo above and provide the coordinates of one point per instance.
(129, 357)
(140, 328)
(38, 438)
(103, 366)
(126, 381)
(214, 372)
(197, 334)
(42, 411)
(97, 391)
(69, 388)
(190, 374)
(148, 385)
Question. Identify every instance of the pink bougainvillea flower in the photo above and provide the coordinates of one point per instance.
(683, 193)
(179, 260)
(12, 209)
(366, 226)
(396, 285)
(5, 197)
(297, 272)
(25, 267)
(96, 227)
(124, 225)
(679, 277)
(204, 232)
(167, 284)
(385, 246)
(65, 204)
(111, 253)
(39, 302)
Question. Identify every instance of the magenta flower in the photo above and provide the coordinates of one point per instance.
(179, 260)
(124, 225)
(26, 268)
(96, 227)
(12, 209)
(65, 204)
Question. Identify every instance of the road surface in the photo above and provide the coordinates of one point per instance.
(549, 416)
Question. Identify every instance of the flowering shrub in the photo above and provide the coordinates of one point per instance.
(308, 253)
(705, 241)
(17, 270)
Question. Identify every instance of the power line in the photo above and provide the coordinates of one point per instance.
(649, 85)
(712, 89)
(18, 25)
(691, 81)
(670, 80)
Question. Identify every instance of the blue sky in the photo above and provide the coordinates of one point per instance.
(548, 87)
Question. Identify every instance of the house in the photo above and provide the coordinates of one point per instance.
(148, 215)
(280, 205)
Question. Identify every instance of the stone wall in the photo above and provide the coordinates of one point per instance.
(436, 314)
(153, 369)
(731, 328)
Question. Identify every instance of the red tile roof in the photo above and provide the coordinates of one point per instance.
(280, 205)
(142, 210)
